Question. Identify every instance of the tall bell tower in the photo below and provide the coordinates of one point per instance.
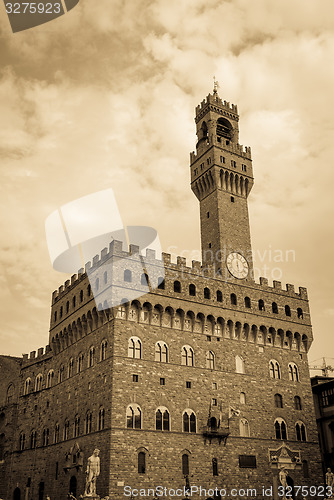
(221, 178)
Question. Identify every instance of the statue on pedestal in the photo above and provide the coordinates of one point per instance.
(92, 473)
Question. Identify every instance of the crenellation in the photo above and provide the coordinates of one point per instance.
(303, 292)
(104, 253)
(67, 283)
(32, 354)
(60, 289)
(40, 352)
(277, 285)
(74, 278)
(150, 254)
(134, 249)
(88, 265)
(96, 260)
(290, 288)
(166, 257)
(264, 281)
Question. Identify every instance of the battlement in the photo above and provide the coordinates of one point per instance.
(42, 354)
(179, 267)
(216, 101)
(238, 149)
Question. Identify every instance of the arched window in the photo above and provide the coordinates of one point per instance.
(247, 302)
(97, 284)
(105, 277)
(66, 430)
(287, 311)
(101, 419)
(280, 429)
(293, 372)
(89, 290)
(77, 426)
(27, 386)
(274, 369)
(278, 401)
(104, 345)
(49, 378)
(33, 439)
(91, 357)
(207, 293)
(70, 367)
(214, 467)
(88, 422)
(210, 360)
(61, 312)
(239, 365)
(219, 296)
(161, 352)
(162, 419)
(300, 313)
(141, 462)
(57, 434)
(233, 299)
(187, 358)
(261, 305)
(55, 316)
(144, 279)
(45, 437)
(127, 275)
(177, 286)
(67, 306)
(38, 382)
(298, 403)
(22, 441)
(192, 290)
(80, 362)
(81, 295)
(274, 308)
(244, 428)
(189, 421)
(73, 302)
(185, 464)
(242, 398)
(300, 431)
(10, 394)
(61, 373)
(133, 417)
(134, 348)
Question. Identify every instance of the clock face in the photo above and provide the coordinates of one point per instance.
(237, 265)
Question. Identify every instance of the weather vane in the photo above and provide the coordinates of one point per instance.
(215, 85)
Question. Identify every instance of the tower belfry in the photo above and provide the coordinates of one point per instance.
(221, 178)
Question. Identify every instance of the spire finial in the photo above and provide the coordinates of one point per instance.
(215, 85)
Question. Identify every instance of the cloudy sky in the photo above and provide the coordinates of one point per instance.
(104, 97)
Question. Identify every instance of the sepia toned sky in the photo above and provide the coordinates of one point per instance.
(104, 97)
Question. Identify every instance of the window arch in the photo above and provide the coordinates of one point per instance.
(141, 462)
(234, 299)
(274, 308)
(97, 284)
(70, 367)
(61, 373)
(133, 417)
(33, 439)
(207, 293)
(134, 348)
(57, 433)
(243, 398)
(274, 369)
(22, 441)
(293, 372)
(45, 437)
(239, 365)
(103, 351)
(80, 362)
(161, 283)
(287, 310)
(244, 428)
(278, 401)
(73, 302)
(162, 420)
(219, 296)
(144, 279)
(300, 431)
(81, 295)
(192, 290)
(300, 313)
(177, 287)
(88, 422)
(77, 426)
(298, 403)
(127, 275)
(50, 378)
(280, 429)
(38, 382)
(185, 464)
(89, 290)
(10, 393)
(261, 305)
(189, 421)
(161, 352)
(67, 307)
(187, 358)
(66, 430)
(91, 356)
(27, 386)
(210, 360)
(101, 418)
(105, 277)
(247, 302)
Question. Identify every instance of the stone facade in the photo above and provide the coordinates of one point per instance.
(201, 382)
